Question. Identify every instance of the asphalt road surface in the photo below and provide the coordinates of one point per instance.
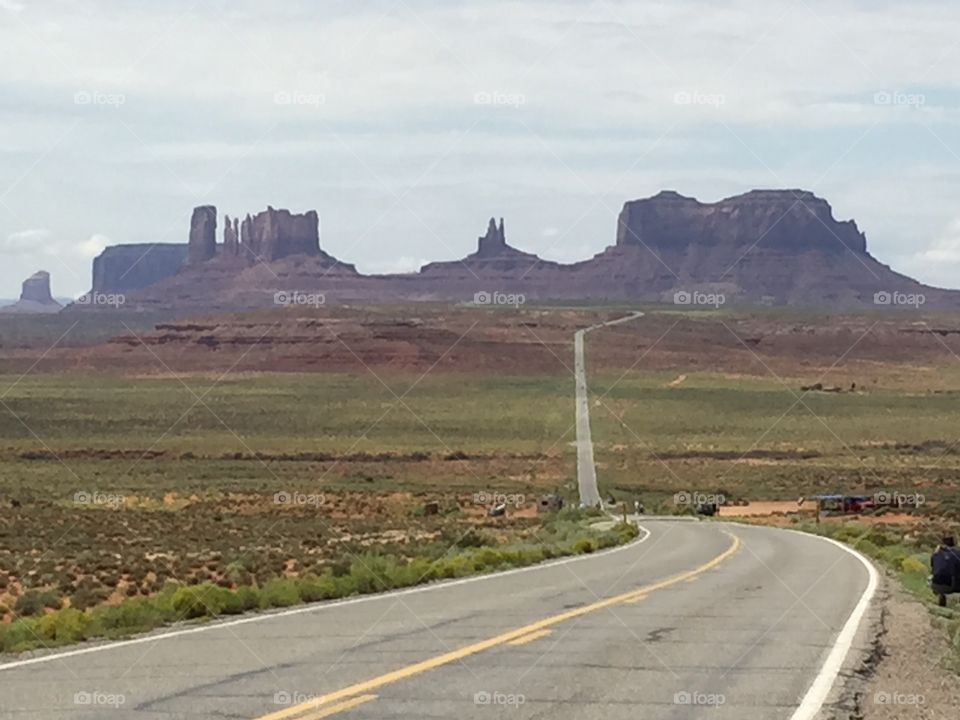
(696, 620)
(586, 469)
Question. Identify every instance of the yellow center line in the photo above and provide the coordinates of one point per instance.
(526, 639)
(326, 712)
(503, 639)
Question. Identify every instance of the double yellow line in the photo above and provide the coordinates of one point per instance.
(354, 695)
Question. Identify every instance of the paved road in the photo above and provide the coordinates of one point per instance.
(586, 469)
(740, 618)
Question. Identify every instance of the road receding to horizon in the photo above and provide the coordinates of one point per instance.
(694, 620)
(586, 468)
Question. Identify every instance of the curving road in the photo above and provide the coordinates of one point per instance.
(696, 620)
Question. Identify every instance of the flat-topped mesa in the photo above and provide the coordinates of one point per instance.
(35, 297)
(36, 288)
(785, 220)
(128, 268)
(202, 245)
(274, 234)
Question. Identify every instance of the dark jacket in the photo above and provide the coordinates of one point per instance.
(945, 564)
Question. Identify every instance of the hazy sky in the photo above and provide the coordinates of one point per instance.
(408, 123)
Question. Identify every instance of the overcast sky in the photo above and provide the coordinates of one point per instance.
(408, 123)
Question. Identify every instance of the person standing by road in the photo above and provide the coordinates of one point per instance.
(945, 564)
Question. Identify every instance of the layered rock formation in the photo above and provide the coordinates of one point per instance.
(275, 234)
(494, 242)
(203, 234)
(765, 246)
(260, 256)
(265, 237)
(786, 220)
(231, 236)
(769, 246)
(493, 256)
(35, 296)
(128, 268)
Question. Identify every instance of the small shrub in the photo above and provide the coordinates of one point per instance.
(62, 627)
(913, 565)
(583, 546)
(314, 588)
(35, 602)
(279, 593)
(19, 635)
(201, 601)
(130, 616)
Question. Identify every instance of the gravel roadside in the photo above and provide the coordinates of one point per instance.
(908, 679)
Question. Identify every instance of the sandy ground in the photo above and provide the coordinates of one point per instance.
(910, 680)
(781, 507)
(755, 509)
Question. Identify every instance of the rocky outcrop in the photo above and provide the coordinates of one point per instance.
(786, 220)
(128, 268)
(494, 242)
(765, 246)
(275, 234)
(35, 296)
(493, 257)
(36, 288)
(231, 236)
(203, 234)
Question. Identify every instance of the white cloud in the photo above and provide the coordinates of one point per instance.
(945, 249)
(27, 242)
(93, 246)
(937, 264)
(394, 265)
(600, 117)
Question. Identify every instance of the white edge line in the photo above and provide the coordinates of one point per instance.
(817, 695)
(316, 607)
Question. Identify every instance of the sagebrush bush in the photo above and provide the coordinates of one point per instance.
(204, 600)
(279, 593)
(564, 534)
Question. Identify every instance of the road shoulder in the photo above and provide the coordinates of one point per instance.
(896, 668)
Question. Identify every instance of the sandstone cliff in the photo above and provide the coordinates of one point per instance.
(128, 268)
(203, 234)
(765, 246)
